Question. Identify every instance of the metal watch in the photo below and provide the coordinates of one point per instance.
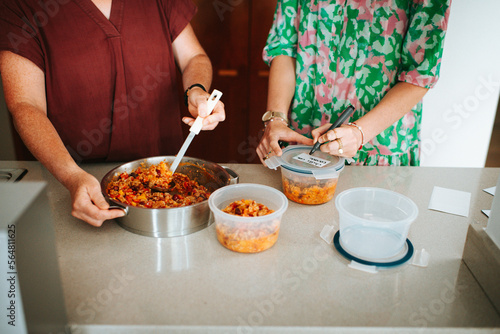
(268, 115)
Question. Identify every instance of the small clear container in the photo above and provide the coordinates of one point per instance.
(308, 179)
(374, 222)
(247, 234)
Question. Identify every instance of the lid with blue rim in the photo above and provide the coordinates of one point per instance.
(296, 158)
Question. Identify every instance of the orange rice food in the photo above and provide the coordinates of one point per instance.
(247, 208)
(315, 192)
(156, 187)
(251, 236)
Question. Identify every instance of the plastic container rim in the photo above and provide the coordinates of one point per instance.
(364, 221)
(276, 214)
(290, 167)
(309, 173)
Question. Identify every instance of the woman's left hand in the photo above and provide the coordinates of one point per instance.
(198, 106)
(343, 141)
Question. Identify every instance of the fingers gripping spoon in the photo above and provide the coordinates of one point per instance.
(195, 128)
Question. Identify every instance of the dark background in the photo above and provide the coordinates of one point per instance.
(233, 33)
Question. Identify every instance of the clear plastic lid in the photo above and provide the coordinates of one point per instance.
(296, 158)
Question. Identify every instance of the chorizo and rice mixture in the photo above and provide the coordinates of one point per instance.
(252, 237)
(247, 208)
(156, 187)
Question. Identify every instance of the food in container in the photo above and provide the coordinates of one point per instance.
(247, 234)
(308, 179)
(141, 188)
(248, 240)
(305, 189)
(374, 222)
(247, 208)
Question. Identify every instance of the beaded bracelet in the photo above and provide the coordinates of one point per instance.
(186, 93)
(362, 134)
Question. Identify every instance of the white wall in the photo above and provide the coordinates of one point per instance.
(460, 111)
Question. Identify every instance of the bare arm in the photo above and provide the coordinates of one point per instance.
(280, 94)
(281, 84)
(24, 87)
(398, 101)
(196, 67)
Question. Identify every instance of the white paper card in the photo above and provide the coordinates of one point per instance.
(309, 159)
(450, 201)
(486, 213)
(491, 190)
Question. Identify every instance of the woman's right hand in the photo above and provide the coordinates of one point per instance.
(87, 200)
(275, 131)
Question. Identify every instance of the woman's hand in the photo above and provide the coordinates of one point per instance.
(88, 202)
(196, 68)
(343, 141)
(275, 131)
(198, 106)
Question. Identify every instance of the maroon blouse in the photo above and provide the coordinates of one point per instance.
(111, 84)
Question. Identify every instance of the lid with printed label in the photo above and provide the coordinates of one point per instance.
(296, 158)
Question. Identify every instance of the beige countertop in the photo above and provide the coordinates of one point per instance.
(115, 281)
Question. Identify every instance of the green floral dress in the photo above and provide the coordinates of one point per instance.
(353, 52)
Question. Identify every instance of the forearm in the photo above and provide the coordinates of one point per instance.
(281, 84)
(398, 101)
(198, 70)
(24, 88)
(43, 141)
(280, 94)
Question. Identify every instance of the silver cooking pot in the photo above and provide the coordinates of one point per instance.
(171, 222)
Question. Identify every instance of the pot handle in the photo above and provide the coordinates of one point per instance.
(114, 206)
(235, 178)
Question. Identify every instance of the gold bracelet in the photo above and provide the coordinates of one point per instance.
(274, 118)
(362, 134)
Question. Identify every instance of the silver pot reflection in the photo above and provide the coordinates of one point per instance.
(171, 222)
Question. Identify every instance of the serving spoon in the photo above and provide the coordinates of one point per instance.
(195, 128)
(169, 190)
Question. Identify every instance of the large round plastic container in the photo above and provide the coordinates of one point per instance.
(247, 234)
(374, 222)
(304, 188)
(308, 179)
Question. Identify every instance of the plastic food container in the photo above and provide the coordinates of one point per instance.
(374, 222)
(306, 179)
(247, 234)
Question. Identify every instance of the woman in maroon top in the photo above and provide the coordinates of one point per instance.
(95, 80)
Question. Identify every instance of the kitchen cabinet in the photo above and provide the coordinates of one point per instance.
(233, 33)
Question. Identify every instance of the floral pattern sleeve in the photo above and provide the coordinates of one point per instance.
(423, 44)
(282, 39)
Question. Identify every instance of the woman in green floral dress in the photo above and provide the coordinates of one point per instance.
(381, 56)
